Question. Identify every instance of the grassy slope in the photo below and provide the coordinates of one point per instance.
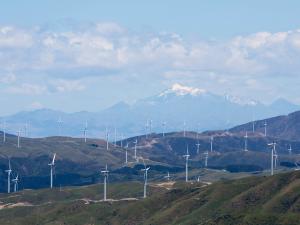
(254, 200)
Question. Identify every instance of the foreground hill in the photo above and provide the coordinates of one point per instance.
(255, 200)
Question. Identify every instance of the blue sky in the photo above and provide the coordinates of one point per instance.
(87, 55)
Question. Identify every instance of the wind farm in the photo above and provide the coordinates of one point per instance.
(149, 113)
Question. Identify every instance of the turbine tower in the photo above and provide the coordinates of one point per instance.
(126, 153)
(19, 138)
(115, 140)
(8, 176)
(105, 174)
(85, 131)
(246, 142)
(164, 128)
(59, 122)
(265, 125)
(186, 156)
(135, 144)
(206, 159)
(184, 128)
(15, 181)
(26, 127)
(211, 143)
(52, 164)
(107, 139)
(290, 149)
(147, 128)
(145, 170)
(273, 145)
(198, 147)
(167, 177)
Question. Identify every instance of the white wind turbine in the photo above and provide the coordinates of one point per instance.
(186, 156)
(26, 128)
(15, 181)
(211, 143)
(105, 174)
(265, 125)
(246, 142)
(19, 138)
(126, 153)
(121, 141)
(290, 149)
(273, 145)
(164, 128)
(59, 122)
(107, 139)
(145, 170)
(135, 145)
(206, 159)
(115, 140)
(167, 176)
(147, 128)
(85, 131)
(8, 176)
(275, 158)
(198, 147)
(52, 164)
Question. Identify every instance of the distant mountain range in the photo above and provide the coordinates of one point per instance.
(198, 109)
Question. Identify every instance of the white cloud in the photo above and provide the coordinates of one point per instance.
(36, 105)
(7, 78)
(67, 85)
(27, 89)
(107, 49)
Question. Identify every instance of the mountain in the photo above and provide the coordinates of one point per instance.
(281, 127)
(259, 200)
(200, 109)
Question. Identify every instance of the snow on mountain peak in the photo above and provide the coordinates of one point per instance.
(181, 90)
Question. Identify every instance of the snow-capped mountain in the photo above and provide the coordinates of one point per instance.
(197, 108)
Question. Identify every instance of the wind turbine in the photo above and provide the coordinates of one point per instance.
(145, 170)
(186, 156)
(167, 177)
(184, 128)
(211, 143)
(26, 127)
(105, 174)
(198, 147)
(246, 142)
(265, 125)
(115, 141)
(164, 128)
(126, 153)
(107, 137)
(8, 176)
(273, 145)
(135, 144)
(85, 131)
(15, 181)
(275, 159)
(147, 127)
(290, 149)
(206, 159)
(59, 122)
(19, 138)
(150, 126)
(52, 164)
(121, 141)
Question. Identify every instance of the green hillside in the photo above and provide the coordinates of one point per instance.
(248, 201)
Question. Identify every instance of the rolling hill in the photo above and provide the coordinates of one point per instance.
(254, 200)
